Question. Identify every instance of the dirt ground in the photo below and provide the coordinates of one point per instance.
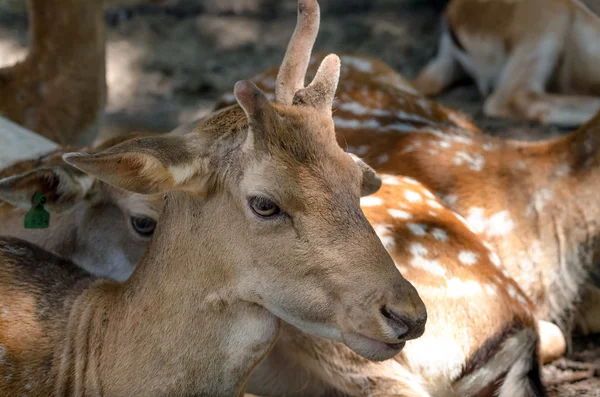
(168, 65)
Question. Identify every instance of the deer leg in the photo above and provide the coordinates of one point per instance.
(520, 92)
(588, 314)
(553, 344)
(442, 71)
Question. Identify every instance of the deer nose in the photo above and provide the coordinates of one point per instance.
(406, 327)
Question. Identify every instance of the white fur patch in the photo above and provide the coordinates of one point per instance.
(500, 224)
(495, 259)
(399, 214)
(370, 201)
(385, 235)
(418, 229)
(412, 196)
(439, 234)
(357, 63)
(419, 261)
(468, 257)
(458, 287)
(387, 179)
(475, 162)
(434, 204)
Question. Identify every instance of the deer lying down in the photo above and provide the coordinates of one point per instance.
(59, 90)
(480, 338)
(518, 51)
(526, 199)
(261, 222)
(103, 229)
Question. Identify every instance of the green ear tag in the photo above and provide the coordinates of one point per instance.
(37, 217)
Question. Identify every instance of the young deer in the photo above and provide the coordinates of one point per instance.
(516, 51)
(480, 338)
(261, 221)
(59, 90)
(526, 199)
(103, 229)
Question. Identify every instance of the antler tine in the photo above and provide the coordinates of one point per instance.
(295, 63)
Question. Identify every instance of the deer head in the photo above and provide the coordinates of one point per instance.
(263, 190)
(103, 229)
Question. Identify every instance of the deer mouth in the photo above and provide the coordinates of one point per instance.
(373, 349)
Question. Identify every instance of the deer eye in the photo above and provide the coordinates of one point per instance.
(263, 207)
(143, 226)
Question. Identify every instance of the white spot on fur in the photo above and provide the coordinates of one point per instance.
(475, 162)
(458, 287)
(399, 214)
(434, 204)
(444, 144)
(439, 234)
(417, 229)
(468, 257)
(4, 313)
(431, 266)
(491, 289)
(387, 179)
(384, 158)
(495, 259)
(539, 200)
(418, 249)
(500, 224)
(412, 196)
(385, 235)
(434, 214)
(449, 199)
(410, 181)
(370, 201)
(358, 63)
(476, 219)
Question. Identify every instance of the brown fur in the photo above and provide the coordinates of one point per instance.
(537, 58)
(474, 313)
(59, 90)
(202, 306)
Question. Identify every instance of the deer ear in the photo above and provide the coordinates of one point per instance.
(63, 185)
(252, 100)
(146, 165)
(371, 182)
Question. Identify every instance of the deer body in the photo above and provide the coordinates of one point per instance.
(261, 222)
(59, 90)
(536, 59)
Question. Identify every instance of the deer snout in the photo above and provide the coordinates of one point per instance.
(405, 312)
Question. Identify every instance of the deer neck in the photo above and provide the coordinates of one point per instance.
(180, 314)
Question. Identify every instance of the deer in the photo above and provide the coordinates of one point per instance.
(261, 224)
(506, 190)
(481, 336)
(103, 229)
(543, 71)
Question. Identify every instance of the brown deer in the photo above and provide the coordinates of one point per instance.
(261, 222)
(59, 89)
(526, 199)
(533, 59)
(480, 338)
(103, 229)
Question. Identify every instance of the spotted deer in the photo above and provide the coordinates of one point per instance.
(533, 59)
(103, 229)
(59, 89)
(480, 338)
(261, 223)
(526, 199)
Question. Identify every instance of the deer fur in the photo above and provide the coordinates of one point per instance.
(92, 223)
(203, 306)
(480, 338)
(532, 59)
(508, 191)
(59, 89)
